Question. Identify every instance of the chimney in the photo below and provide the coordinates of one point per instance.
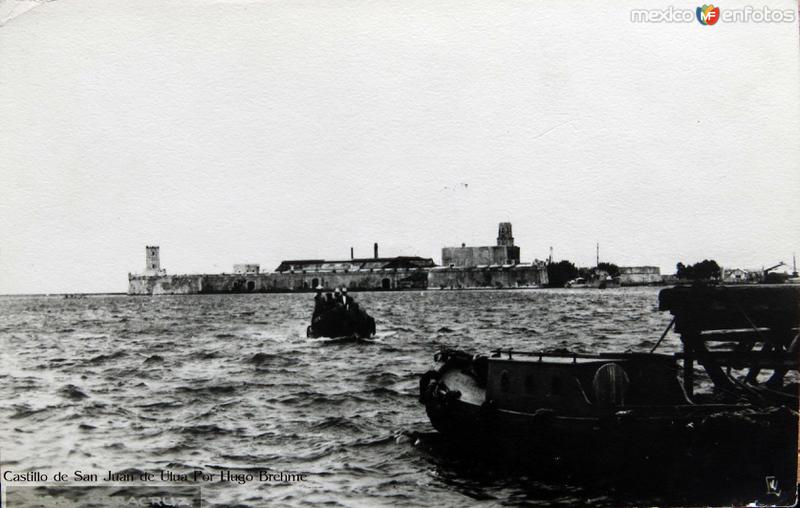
(375, 249)
(351, 253)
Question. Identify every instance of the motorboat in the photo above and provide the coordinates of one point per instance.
(342, 321)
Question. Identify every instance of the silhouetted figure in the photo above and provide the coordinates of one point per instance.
(319, 303)
(347, 300)
(341, 317)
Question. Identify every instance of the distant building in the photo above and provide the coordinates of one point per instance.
(494, 266)
(375, 273)
(355, 265)
(248, 268)
(153, 261)
(504, 253)
(398, 272)
(739, 276)
(639, 275)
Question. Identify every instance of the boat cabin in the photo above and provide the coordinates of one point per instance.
(581, 385)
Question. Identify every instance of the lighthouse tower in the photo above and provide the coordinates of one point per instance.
(153, 259)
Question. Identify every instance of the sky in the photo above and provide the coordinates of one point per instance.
(256, 131)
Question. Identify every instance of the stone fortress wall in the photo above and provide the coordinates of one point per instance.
(490, 266)
(276, 282)
(639, 275)
(464, 267)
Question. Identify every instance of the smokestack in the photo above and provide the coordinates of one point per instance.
(351, 253)
(375, 249)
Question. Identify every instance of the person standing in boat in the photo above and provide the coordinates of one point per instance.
(347, 300)
(350, 303)
(319, 303)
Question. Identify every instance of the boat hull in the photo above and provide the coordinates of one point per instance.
(689, 446)
(340, 323)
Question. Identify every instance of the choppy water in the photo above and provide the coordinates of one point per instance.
(230, 382)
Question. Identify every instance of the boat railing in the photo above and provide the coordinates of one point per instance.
(745, 359)
(498, 353)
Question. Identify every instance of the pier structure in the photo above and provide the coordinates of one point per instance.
(743, 336)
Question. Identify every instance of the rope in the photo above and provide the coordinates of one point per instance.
(669, 327)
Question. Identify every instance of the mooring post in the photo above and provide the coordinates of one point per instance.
(690, 336)
(688, 373)
(775, 381)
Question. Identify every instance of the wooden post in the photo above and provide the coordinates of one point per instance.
(688, 373)
(775, 382)
(713, 369)
(689, 337)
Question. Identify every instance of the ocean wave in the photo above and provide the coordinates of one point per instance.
(106, 357)
(73, 392)
(338, 422)
(214, 389)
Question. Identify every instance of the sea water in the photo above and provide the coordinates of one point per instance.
(225, 389)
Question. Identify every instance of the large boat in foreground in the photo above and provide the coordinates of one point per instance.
(630, 415)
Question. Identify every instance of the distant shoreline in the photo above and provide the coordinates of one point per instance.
(10, 295)
(310, 291)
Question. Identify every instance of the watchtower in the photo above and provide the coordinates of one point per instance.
(153, 260)
(504, 236)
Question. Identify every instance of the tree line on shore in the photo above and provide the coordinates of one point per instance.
(561, 272)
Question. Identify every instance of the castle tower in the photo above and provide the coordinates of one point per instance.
(504, 237)
(153, 260)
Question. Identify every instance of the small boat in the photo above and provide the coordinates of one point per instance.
(340, 322)
(628, 414)
(578, 283)
(601, 281)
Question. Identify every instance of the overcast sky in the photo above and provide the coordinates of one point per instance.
(231, 132)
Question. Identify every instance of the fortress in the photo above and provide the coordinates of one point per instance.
(491, 266)
(463, 267)
(504, 253)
